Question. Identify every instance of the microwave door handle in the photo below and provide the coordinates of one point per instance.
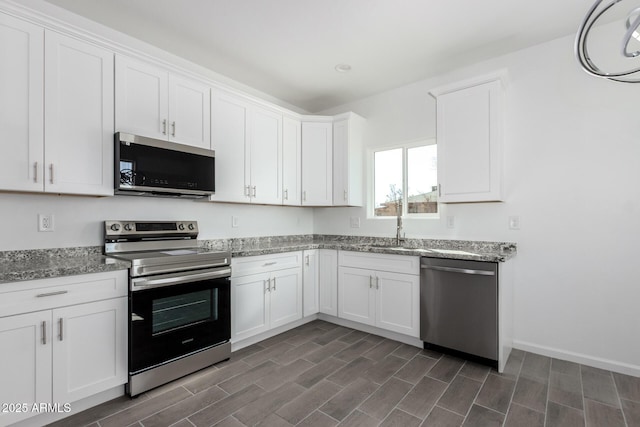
(148, 283)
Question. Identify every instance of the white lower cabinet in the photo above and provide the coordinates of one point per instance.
(267, 299)
(61, 353)
(386, 299)
(328, 281)
(310, 282)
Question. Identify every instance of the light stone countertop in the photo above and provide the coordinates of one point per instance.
(48, 263)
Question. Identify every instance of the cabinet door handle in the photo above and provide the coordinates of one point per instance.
(173, 128)
(377, 282)
(345, 195)
(247, 192)
(254, 191)
(286, 194)
(35, 172)
(304, 196)
(274, 283)
(164, 126)
(266, 264)
(60, 329)
(43, 329)
(306, 260)
(50, 294)
(267, 284)
(370, 282)
(51, 172)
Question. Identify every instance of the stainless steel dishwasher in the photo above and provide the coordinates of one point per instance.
(459, 307)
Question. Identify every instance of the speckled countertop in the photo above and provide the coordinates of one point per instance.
(47, 263)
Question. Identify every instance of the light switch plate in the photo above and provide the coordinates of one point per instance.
(234, 222)
(514, 222)
(355, 222)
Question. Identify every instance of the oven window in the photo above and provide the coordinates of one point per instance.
(174, 312)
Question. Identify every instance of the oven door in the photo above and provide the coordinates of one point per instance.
(174, 315)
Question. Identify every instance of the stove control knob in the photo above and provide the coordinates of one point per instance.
(128, 227)
(115, 227)
(181, 227)
(191, 227)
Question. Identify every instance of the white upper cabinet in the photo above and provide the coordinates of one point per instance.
(347, 161)
(469, 123)
(21, 105)
(317, 163)
(291, 161)
(154, 103)
(248, 138)
(78, 117)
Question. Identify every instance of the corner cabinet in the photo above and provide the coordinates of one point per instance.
(249, 139)
(317, 163)
(152, 102)
(348, 183)
(63, 339)
(470, 139)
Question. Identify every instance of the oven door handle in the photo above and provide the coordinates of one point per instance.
(142, 283)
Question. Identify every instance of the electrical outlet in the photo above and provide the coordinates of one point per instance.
(234, 221)
(45, 222)
(514, 222)
(355, 222)
(451, 221)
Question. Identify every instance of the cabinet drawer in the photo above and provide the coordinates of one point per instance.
(243, 266)
(34, 295)
(381, 262)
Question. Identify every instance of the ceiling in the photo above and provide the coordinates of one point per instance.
(289, 48)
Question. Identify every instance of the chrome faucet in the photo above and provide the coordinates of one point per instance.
(399, 237)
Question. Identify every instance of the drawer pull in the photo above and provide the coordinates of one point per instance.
(43, 328)
(50, 294)
(60, 326)
(266, 264)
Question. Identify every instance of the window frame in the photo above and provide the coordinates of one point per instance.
(405, 180)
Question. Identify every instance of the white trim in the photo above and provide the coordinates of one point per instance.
(415, 342)
(607, 364)
(500, 75)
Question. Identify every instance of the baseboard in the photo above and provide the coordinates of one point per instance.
(416, 342)
(583, 359)
(237, 345)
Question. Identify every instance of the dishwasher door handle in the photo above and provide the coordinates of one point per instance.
(460, 270)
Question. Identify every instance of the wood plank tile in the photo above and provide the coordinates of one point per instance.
(297, 353)
(475, 371)
(598, 385)
(483, 417)
(145, 408)
(421, 399)
(565, 367)
(358, 419)
(101, 411)
(405, 351)
(381, 371)
(260, 408)
(530, 393)
(184, 408)
(196, 385)
(536, 367)
(382, 350)
(305, 336)
(318, 419)
(273, 420)
(382, 402)
(331, 335)
(267, 354)
(302, 406)
(496, 393)
(246, 351)
(316, 374)
(628, 386)
(242, 380)
(341, 405)
(282, 374)
(442, 418)
(428, 352)
(353, 336)
(182, 423)
(631, 412)
(415, 369)
(227, 406)
(351, 371)
(460, 395)
(565, 389)
(230, 421)
(325, 351)
(446, 368)
(599, 414)
(563, 416)
(513, 365)
(354, 350)
(521, 416)
(398, 418)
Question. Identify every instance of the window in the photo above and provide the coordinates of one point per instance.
(405, 180)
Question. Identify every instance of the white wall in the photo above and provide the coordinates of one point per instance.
(79, 220)
(572, 156)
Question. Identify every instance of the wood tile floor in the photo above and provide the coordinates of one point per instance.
(322, 374)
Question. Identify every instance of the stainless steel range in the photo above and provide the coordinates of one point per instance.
(179, 300)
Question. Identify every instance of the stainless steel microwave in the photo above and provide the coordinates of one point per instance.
(153, 167)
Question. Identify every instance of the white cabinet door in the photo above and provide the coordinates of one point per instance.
(357, 295)
(142, 102)
(348, 171)
(25, 362)
(229, 136)
(469, 122)
(317, 159)
(286, 296)
(310, 283)
(398, 302)
(291, 161)
(265, 156)
(89, 349)
(78, 117)
(249, 305)
(189, 112)
(21, 105)
(328, 281)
